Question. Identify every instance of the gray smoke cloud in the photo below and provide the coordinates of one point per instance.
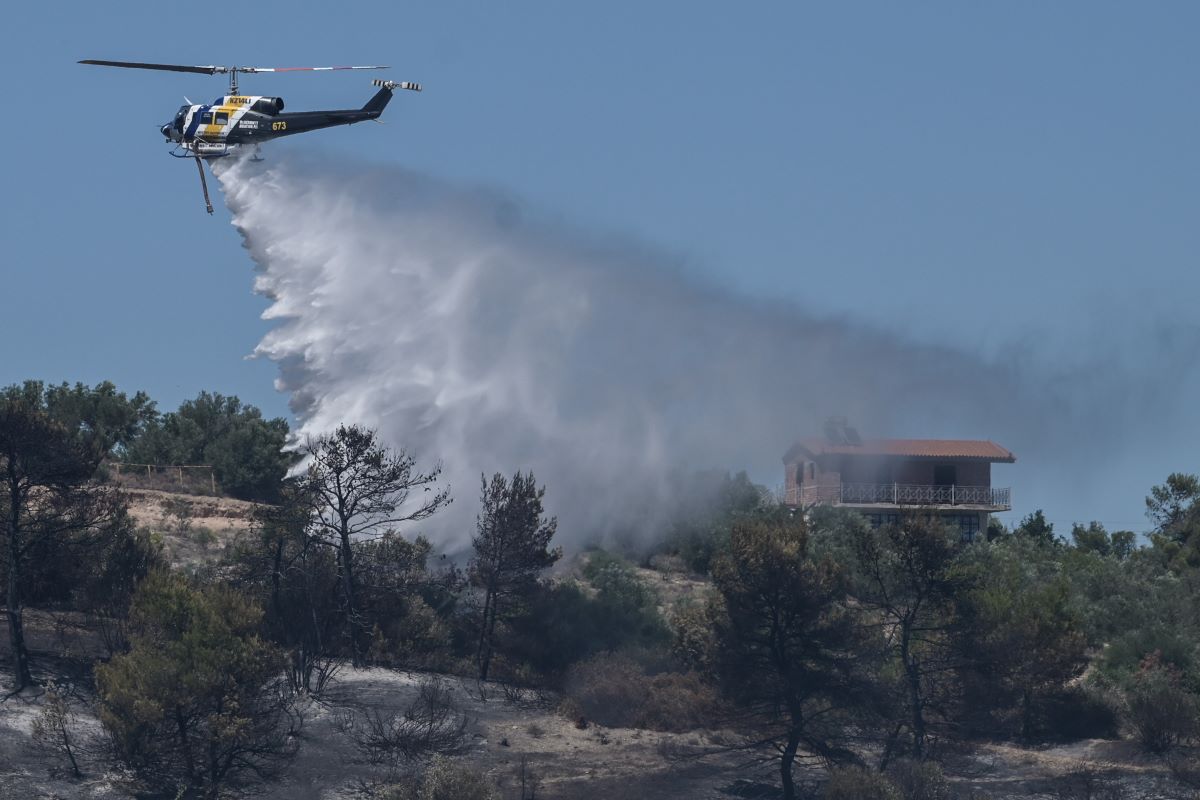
(465, 332)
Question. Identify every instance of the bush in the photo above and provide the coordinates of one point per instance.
(1170, 644)
(709, 502)
(859, 783)
(920, 780)
(679, 701)
(1160, 711)
(1185, 767)
(626, 600)
(199, 700)
(54, 730)
(416, 636)
(564, 624)
(613, 690)
(694, 641)
(1087, 781)
(433, 724)
(203, 536)
(1078, 712)
(446, 779)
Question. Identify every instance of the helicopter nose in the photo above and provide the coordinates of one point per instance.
(165, 130)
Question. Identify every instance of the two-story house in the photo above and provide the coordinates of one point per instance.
(883, 478)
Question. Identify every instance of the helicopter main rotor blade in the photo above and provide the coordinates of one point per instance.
(303, 69)
(168, 67)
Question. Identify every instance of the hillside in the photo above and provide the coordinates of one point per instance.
(512, 736)
(195, 528)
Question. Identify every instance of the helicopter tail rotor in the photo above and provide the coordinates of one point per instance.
(379, 102)
(413, 87)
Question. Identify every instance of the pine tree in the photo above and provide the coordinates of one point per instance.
(790, 651)
(904, 577)
(511, 550)
(46, 466)
(199, 701)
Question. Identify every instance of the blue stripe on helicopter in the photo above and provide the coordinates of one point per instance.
(191, 131)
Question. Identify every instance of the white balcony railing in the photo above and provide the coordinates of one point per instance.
(900, 494)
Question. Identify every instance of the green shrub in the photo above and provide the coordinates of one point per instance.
(626, 599)
(1159, 710)
(859, 783)
(204, 536)
(1078, 712)
(694, 640)
(1125, 654)
(199, 699)
(564, 624)
(708, 504)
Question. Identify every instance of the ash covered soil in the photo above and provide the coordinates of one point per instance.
(568, 761)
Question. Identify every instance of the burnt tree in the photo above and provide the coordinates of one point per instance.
(359, 489)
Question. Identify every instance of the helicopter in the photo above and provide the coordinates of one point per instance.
(218, 129)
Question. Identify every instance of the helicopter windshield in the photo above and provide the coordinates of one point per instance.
(179, 116)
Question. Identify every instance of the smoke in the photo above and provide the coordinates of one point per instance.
(468, 334)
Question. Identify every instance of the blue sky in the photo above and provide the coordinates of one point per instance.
(993, 175)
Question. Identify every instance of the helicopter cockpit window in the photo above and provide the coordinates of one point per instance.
(206, 118)
(222, 118)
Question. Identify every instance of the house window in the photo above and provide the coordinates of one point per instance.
(968, 527)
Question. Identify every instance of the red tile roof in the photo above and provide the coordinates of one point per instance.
(910, 448)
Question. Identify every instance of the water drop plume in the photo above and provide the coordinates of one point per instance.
(468, 333)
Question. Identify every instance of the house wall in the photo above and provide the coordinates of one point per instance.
(920, 471)
(831, 471)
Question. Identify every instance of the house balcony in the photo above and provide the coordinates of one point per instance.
(975, 498)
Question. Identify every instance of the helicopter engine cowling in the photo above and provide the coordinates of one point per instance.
(268, 105)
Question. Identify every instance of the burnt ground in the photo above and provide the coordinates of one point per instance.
(569, 762)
